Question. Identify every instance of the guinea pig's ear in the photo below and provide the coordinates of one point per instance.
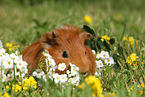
(85, 36)
(47, 40)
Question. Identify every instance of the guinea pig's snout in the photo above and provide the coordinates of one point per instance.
(85, 74)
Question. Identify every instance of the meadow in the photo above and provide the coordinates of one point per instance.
(118, 27)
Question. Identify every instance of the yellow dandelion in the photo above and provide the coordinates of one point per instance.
(106, 38)
(140, 92)
(138, 86)
(29, 83)
(125, 39)
(132, 88)
(111, 94)
(101, 95)
(132, 60)
(131, 40)
(10, 49)
(9, 45)
(6, 95)
(95, 84)
(7, 87)
(88, 19)
(82, 85)
(16, 88)
(142, 85)
(142, 63)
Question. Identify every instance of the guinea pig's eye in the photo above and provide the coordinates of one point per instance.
(85, 53)
(64, 54)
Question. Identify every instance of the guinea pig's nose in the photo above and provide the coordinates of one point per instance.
(85, 74)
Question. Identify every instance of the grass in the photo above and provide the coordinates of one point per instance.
(24, 23)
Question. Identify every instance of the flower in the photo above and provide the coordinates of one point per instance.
(106, 38)
(61, 66)
(130, 39)
(56, 77)
(2, 52)
(111, 94)
(82, 85)
(71, 76)
(132, 87)
(38, 73)
(6, 95)
(4, 78)
(74, 69)
(99, 64)
(132, 60)
(109, 61)
(140, 92)
(104, 54)
(7, 61)
(9, 44)
(16, 88)
(1, 45)
(125, 39)
(94, 52)
(95, 85)
(14, 57)
(29, 83)
(88, 19)
(63, 78)
(142, 85)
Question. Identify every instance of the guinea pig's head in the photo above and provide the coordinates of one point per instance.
(68, 44)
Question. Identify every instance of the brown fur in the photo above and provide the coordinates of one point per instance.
(68, 38)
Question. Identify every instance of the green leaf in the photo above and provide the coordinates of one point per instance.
(116, 57)
(89, 30)
(90, 44)
(97, 45)
(112, 41)
(120, 51)
(37, 23)
(99, 38)
(123, 32)
(106, 45)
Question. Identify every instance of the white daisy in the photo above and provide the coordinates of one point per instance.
(24, 69)
(99, 64)
(2, 52)
(40, 74)
(34, 73)
(104, 54)
(98, 56)
(61, 66)
(67, 72)
(56, 77)
(109, 61)
(4, 78)
(63, 78)
(7, 62)
(14, 57)
(74, 80)
(51, 62)
(1, 45)
(97, 74)
(10, 76)
(74, 71)
(94, 52)
(44, 78)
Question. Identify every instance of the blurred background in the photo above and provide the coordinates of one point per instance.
(23, 21)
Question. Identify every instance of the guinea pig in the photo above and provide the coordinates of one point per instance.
(67, 44)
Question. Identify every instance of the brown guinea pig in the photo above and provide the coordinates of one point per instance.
(66, 44)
